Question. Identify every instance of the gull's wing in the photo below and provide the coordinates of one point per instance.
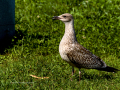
(83, 58)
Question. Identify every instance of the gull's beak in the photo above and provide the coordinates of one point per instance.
(55, 17)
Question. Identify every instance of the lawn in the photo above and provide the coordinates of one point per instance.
(34, 48)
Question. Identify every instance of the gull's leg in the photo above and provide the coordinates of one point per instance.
(72, 70)
(79, 74)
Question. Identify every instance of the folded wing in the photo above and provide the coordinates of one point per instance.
(83, 58)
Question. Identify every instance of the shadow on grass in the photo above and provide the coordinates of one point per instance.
(96, 76)
(7, 43)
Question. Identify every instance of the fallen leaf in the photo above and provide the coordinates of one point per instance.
(39, 77)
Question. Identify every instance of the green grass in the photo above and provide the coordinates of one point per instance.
(34, 48)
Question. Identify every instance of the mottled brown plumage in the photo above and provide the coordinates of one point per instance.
(83, 58)
(74, 53)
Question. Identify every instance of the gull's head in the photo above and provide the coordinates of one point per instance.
(64, 17)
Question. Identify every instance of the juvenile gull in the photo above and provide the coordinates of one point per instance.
(74, 53)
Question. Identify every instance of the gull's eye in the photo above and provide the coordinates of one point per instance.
(64, 16)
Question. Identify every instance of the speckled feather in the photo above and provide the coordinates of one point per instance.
(83, 58)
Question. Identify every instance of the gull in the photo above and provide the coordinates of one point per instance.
(74, 53)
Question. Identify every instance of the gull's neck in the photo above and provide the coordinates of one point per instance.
(69, 35)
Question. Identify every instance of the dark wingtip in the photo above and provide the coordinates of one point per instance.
(109, 69)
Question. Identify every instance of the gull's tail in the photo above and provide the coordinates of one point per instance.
(108, 69)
